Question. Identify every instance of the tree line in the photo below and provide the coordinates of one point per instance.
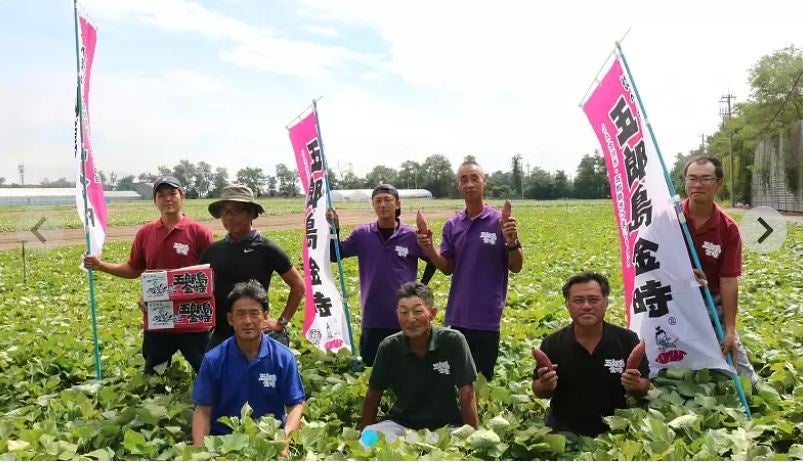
(772, 109)
(436, 174)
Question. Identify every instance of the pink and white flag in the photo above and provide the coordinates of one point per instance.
(664, 303)
(95, 214)
(324, 317)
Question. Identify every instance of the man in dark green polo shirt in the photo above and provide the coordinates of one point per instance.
(429, 369)
(589, 379)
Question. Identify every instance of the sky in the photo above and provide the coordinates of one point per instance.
(218, 81)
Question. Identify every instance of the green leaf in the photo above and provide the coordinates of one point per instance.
(18, 445)
(100, 454)
(796, 451)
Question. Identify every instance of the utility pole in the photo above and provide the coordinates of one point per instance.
(21, 170)
(727, 98)
(702, 144)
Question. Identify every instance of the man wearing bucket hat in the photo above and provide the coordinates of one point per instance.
(172, 241)
(245, 254)
(387, 253)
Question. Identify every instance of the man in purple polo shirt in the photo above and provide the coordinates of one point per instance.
(478, 250)
(387, 254)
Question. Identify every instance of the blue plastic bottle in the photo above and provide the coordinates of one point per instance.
(369, 438)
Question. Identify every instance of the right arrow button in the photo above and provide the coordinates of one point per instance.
(768, 231)
(763, 229)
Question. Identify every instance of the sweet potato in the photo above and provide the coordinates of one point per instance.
(635, 357)
(542, 360)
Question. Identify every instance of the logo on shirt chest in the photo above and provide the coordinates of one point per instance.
(268, 380)
(442, 367)
(711, 249)
(616, 366)
(181, 249)
(402, 251)
(488, 238)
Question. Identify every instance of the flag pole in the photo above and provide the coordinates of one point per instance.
(355, 363)
(689, 243)
(79, 111)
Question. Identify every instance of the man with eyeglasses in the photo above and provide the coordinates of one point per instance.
(589, 378)
(245, 254)
(719, 246)
(428, 368)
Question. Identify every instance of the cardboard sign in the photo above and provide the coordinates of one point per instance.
(179, 315)
(189, 283)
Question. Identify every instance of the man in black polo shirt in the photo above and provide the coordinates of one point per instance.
(244, 254)
(589, 379)
(428, 368)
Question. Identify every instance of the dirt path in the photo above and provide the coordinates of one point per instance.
(56, 238)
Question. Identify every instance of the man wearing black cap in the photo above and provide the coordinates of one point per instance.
(387, 253)
(244, 254)
(169, 242)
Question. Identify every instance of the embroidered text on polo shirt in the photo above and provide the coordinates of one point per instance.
(181, 249)
(711, 249)
(488, 238)
(616, 366)
(442, 367)
(268, 380)
(402, 251)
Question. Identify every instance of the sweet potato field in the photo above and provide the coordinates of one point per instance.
(51, 406)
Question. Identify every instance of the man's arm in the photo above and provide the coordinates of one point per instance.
(468, 405)
(515, 258)
(201, 424)
(444, 264)
(634, 383)
(296, 284)
(545, 383)
(729, 294)
(293, 420)
(121, 270)
(370, 406)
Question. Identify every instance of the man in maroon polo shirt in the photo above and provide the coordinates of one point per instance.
(478, 250)
(171, 241)
(719, 247)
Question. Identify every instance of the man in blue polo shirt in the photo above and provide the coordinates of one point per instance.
(249, 367)
(478, 250)
(387, 253)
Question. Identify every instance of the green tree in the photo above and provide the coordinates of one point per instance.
(563, 187)
(591, 181)
(409, 174)
(517, 175)
(253, 177)
(286, 179)
(382, 174)
(499, 185)
(204, 177)
(126, 183)
(219, 180)
(2, 180)
(332, 177)
(185, 171)
(438, 176)
(469, 159)
(541, 185)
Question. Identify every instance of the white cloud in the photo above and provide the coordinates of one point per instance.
(322, 31)
(254, 47)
